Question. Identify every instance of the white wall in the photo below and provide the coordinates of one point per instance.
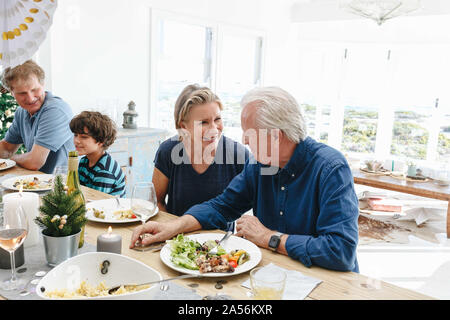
(97, 52)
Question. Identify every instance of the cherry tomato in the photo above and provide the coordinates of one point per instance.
(233, 263)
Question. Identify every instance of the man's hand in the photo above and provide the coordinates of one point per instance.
(158, 231)
(253, 230)
(7, 150)
(154, 231)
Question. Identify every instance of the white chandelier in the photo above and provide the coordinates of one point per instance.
(380, 10)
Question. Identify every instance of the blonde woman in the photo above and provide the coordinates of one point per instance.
(198, 163)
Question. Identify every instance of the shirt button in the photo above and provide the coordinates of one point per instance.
(282, 188)
(281, 213)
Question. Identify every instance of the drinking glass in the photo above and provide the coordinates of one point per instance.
(13, 232)
(144, 202)
(266, 284)
(62, 171)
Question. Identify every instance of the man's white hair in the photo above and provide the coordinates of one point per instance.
(277, 109)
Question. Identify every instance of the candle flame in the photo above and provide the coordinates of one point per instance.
(109, 230)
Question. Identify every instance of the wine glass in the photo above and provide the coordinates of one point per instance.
(13, 232)
(60, 171)
(144, 202)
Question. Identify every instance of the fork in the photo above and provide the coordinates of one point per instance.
(225, 237)
(118, 202)
(184, 276)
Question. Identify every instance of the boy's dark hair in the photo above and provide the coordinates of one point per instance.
(99, 126)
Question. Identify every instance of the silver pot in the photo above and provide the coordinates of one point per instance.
(59, 249)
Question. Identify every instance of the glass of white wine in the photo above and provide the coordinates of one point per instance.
(13, 231)
(266, 284)
(144, 203)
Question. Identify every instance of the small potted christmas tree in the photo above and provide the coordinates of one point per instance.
(61, 218)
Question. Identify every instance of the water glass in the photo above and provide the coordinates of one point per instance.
(266, 284)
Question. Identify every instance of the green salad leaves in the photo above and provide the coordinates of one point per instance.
(185, 251)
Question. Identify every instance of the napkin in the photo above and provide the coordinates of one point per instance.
(420, 215)
(298, 286)
(176, 292)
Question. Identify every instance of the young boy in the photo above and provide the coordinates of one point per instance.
(93, 134)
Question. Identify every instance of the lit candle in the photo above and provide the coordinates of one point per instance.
(109, 242)
(30, 205)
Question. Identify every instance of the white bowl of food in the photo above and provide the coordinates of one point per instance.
(91, 275)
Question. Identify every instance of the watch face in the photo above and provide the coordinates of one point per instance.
(274, 241)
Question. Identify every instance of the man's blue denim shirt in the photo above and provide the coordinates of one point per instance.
(312, 199)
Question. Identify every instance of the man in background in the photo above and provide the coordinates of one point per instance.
(41, 123)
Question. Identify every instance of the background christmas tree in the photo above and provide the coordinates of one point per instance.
(8, 106)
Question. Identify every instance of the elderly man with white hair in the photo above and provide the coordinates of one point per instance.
(301, 191)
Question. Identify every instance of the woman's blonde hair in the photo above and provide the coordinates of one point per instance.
(192, 95)
(22, 72)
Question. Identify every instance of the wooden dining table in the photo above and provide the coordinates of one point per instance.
(428, 188)
(335, 285)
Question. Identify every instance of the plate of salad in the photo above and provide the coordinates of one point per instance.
(189, 254)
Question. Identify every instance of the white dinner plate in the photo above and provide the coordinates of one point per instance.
(232, 243)
(46, 182)
(7, 164)
(109, 206)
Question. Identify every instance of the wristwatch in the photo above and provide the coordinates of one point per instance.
(274, 241)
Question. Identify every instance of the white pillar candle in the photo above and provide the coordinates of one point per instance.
(109, 242)
(30, 205)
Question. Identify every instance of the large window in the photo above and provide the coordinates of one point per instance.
(319, 66)
(185, 51)
(410, 134)
(363, 71)
(360, 129)
(239, 70)
(443, 149)
(385, 100)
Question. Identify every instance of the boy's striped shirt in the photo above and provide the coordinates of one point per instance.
(106, 175)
